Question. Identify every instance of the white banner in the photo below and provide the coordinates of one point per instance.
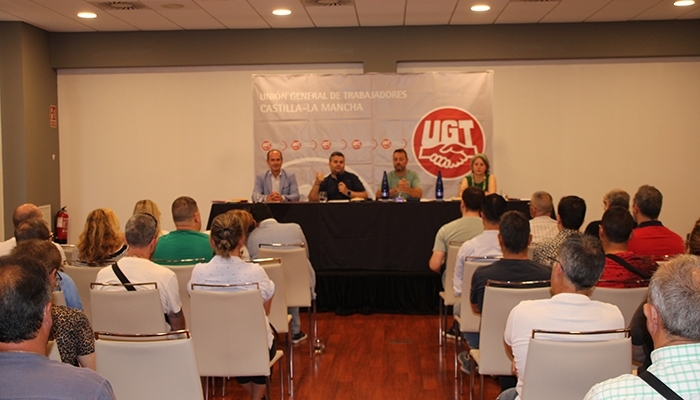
(440, 119)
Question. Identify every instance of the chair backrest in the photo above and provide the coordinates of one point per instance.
(469, 320)
(564, 365)
(157, 367)
(626, 299)
(52, 351)
(229, 333)
(278, 308)
(70, 251)
(83, 276)
(128, 312)
(499, 299)
(183, 273)
(295, 266)
(58, 298)
(452, 250)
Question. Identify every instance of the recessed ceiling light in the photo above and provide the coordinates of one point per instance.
(281, 11)
(480, 8)
(88, 15)
(684, 3)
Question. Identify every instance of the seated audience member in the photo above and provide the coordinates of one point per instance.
(141, 235)
(513, 238)
(479, 176)
(482, 245)
(614, 198)
(571, 212)
(403, 182)
(227, 237)
(150, 207)
(650, 237)
(270, 231)
(37, 228)
(673, 320)
(693, 244)
(21, 214)
(248, 225)
(542, 226)
(620, 263)
(101, 242)
(25, 325)
(186, 242)
(578, 267)
(276, 184)
(71, 329)
(339, 184)
(459, 230)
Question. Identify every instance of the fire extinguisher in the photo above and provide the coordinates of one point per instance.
(61, 233)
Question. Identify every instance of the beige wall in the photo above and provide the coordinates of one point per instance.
(30, 158)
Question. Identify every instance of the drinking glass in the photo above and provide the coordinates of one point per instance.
(322, 197)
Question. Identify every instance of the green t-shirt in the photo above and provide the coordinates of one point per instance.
(182, 245)
(411, 177)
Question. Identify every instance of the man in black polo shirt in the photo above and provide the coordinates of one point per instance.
(339, 185)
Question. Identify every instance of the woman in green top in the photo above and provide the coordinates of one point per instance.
(479, 176)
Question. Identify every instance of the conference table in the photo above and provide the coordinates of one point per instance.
(370, 256)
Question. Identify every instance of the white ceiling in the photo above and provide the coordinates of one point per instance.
(157, 15)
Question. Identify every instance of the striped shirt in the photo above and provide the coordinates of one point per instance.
(677, 366)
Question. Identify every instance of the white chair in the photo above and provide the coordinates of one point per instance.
(278, 317)
(58, 298)
(114, 309)
(564, 365)
(469, 321)
(158, 366)
(183, 273)
(70, 251)
(447, 296)
(626, 299)
(229, 333)
(52, 351)
(499, 298)
(83, 276)
(297, 280)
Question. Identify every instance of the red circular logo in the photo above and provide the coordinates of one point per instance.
(356, 144)
(266, 145)
(326, 144)
(445, 139)
(296, 145)
(386, 143)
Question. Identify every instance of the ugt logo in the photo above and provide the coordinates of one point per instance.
(446, 139)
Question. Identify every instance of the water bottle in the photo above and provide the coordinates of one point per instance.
(385, 187)
(439, 192)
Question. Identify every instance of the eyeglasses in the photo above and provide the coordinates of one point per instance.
(51, 236)
(551, 260)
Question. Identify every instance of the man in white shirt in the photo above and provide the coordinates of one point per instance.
(542, 227)
(141, 234)
(269, 231)
(579, 265)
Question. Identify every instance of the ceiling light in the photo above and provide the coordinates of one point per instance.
(281, 11)
(684, 3)
(480, 8)
(88, 15)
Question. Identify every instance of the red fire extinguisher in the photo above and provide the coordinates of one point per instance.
(61, 233)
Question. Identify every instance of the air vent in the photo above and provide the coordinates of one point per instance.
(328, 3)
(120, 5)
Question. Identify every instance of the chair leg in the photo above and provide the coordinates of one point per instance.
(457, 338)
(223, 386)
(312, 339)
(281, 367)
(481, 387)
(267, 387)
(441, 332)
(472, 370)
(290, 363)
(206, 388)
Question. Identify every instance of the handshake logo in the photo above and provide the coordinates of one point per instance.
(446, 139)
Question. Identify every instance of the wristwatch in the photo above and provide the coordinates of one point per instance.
(349, 193)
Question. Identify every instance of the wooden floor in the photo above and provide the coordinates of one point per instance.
(376, 356)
